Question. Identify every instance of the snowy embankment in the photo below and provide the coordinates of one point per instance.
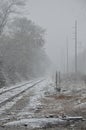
(37, 123)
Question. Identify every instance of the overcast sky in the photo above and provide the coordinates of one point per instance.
(58, 18)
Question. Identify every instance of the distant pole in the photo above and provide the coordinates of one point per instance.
(67, 56)
(59, 78)
(59, 89)
(76, 47)
(56, 79)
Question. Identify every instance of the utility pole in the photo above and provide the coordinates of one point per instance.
(56, 80)
(76, 47)
(67, 56)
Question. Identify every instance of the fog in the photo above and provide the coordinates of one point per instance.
(58, 18)
(34, 35)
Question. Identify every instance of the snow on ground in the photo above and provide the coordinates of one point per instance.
(45, 101)
(4, 89)
(81, 106)
(8, 105)
(9, 94)
(7, 88)
(36, 123)
(34, 101)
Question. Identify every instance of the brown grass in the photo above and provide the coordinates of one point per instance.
(61, 97)
(64, 97)
(83, 100)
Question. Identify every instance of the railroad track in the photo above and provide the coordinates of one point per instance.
(12, 88)
(9, 95)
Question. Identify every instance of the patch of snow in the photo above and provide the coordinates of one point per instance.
(13, 87)
(34, 102)
(36, 123)
(9, 105)
(11, 93)
(81, 106)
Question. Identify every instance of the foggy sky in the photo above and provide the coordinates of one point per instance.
(58, 18)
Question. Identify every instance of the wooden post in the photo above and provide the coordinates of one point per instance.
(58, 81)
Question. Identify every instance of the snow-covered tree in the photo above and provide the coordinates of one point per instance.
(23, 52)
(7, 9)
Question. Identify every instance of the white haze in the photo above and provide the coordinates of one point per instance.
(58, 18)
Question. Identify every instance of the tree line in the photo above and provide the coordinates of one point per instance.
(22, 54)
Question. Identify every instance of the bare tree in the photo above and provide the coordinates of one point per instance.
(8, 7)
(23, 54)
